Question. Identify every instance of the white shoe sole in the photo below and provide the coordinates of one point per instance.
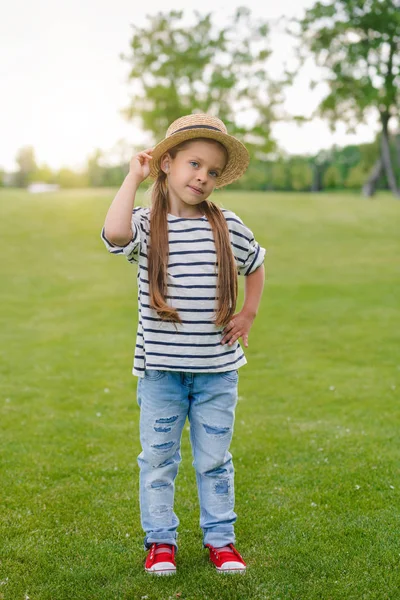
(162, 569)
(231, 571)
(231, 567)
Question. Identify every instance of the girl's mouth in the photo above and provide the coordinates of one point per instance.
(196, 190)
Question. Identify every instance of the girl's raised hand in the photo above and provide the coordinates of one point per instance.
(139, 166)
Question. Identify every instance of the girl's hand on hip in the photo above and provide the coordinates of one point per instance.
(238, 326)
(139, 166)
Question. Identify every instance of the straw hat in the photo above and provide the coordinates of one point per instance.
(203, 126)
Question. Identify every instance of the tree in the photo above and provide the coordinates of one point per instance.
(180, 69)
(26, 162)
(356, 177)
(331, 178)
(43, 174)
(95, 171)
(67, 178)
(319, 164)
(300, 173)
(279, 175)
(357, 42)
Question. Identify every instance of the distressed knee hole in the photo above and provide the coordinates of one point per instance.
(221, 487)
(167, 462)
(162, 448)
(216, 430)
(160, 511)
(217, 471)
(159, 484)
(167, 420)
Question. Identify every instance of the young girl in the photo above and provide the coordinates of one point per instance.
(187, 353)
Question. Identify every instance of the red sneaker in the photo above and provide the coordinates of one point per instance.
(161, 559)
(227, 559)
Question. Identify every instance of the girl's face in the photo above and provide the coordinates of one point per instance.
(192, 174)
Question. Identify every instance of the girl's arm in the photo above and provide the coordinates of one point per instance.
(240, 324)
(117, 226)
(254, 285)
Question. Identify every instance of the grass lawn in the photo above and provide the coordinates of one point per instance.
(316, 444)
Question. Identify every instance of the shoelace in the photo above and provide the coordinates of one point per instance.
(223, 549)
(159, 548)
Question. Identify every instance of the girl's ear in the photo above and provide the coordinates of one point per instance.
(165, 163)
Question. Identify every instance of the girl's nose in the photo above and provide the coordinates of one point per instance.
(201, 176)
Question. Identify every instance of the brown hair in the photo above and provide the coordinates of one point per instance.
(227, 284)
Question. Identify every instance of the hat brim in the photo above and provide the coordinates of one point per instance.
(238, 156)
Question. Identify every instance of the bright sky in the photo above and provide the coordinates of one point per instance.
(63, 83)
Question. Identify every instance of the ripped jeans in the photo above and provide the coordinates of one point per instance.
(166, 398)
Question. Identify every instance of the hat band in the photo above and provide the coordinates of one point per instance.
(196, 127)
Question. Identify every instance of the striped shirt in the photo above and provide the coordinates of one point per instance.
(195, 345)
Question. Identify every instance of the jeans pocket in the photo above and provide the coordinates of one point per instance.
(232, 376)
(154, 374)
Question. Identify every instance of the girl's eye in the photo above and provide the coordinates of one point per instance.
(195, 164)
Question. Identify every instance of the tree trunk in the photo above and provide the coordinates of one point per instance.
(369, 187)
(397, 144)
(316, 179)
(387, 159)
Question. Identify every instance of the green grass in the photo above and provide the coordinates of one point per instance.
(316, 443)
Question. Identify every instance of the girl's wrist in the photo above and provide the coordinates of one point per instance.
(249, 312)
(134, 178)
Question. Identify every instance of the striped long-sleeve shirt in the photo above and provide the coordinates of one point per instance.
(195, 345)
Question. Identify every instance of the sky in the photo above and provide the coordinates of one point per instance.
(63, 83)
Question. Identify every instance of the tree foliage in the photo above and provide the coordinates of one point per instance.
(180, 68)
(27, 166)
(357, 43)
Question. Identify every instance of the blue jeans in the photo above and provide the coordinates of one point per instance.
(166, 398)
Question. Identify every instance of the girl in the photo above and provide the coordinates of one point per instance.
(187, 353)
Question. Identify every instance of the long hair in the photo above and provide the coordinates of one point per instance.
(227, 284)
